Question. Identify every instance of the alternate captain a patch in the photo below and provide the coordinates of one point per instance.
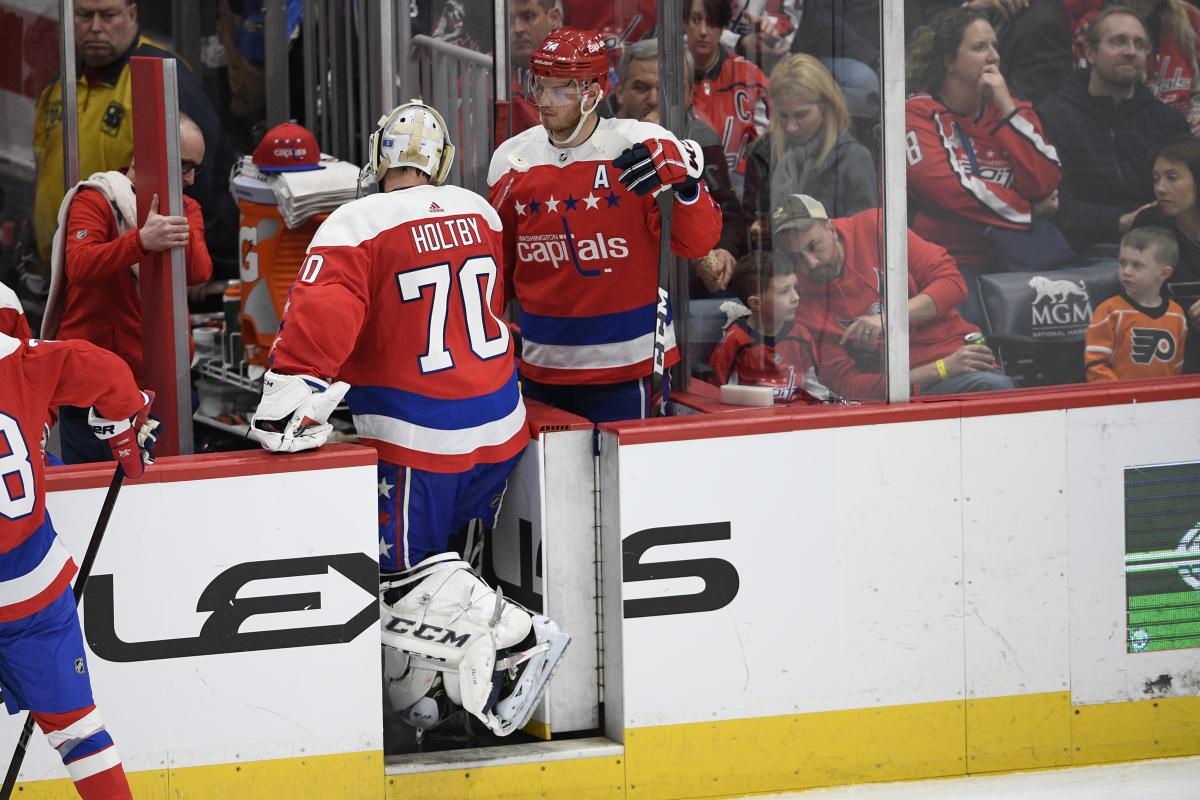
(114, 115)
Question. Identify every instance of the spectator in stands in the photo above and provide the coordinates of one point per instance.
(845, 36)
(1105, 123)
(730, 93)
(977, 158)
(1177, 208)
(762, 31)
(838, 263)
(1139, 333)
(94, 272)
(529, 22)
(636, 97)
(808, 148)
(768, 347)
(106, 33)
(1172, 72)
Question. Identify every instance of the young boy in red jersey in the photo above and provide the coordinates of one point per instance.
(1139, 333)
(768, 348)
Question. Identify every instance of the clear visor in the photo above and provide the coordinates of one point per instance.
(543, 91)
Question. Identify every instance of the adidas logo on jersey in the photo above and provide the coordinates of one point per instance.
(434, 208)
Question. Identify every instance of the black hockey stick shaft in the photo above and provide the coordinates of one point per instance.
(665, 201)
(89, 558)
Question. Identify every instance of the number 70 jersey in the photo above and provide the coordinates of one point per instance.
(400, 296)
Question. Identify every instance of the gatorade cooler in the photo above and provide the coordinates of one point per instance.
(271, 256)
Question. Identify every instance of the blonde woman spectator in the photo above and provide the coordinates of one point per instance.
(808, 148)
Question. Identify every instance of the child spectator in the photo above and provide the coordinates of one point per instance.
(1139, 333)
(768, 348)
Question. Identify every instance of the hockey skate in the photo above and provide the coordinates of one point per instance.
(491, 656)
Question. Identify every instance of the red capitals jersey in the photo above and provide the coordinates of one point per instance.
(35, 567)
(581, 253)
(618, 21)
(400, 297)
(783, 361)
(1127, 341)
(732, 98)
(828, 309)
(964, 174)
(12, 316)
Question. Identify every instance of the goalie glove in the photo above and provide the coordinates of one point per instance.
(661, 162)
(131, 440)
(293, 414)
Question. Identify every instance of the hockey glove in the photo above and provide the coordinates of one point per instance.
(661, 162)
(293, 414)
(131, 440)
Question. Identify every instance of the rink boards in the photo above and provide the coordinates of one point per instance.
(790, 599)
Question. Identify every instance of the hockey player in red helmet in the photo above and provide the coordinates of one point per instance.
(581, 234)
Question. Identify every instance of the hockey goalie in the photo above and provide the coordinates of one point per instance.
(397, 308)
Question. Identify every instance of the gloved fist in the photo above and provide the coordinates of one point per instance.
(131, 440)
(661, 162)
(293, 414)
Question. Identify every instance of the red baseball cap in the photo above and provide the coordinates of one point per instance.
(287, 148)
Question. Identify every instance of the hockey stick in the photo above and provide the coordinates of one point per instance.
(85, 569)
(664, 199)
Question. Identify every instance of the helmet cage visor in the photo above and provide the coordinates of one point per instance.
(412, 135)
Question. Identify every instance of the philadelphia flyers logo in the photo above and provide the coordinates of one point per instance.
(1147, 344)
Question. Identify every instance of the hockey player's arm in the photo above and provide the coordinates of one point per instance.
(12, 316)
(939, 181)
(83, 375)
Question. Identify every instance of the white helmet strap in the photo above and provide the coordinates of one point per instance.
(584, 113)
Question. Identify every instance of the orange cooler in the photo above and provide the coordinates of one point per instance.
(271, 256)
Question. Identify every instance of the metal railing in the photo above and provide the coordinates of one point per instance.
(458, 83)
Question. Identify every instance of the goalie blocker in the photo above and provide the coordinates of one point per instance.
(444, 628)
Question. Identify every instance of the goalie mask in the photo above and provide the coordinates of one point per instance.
(411, 135)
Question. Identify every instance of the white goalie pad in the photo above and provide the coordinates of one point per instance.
(293, 414)
(450, 621)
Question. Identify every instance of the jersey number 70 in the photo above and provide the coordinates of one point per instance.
(476, 306)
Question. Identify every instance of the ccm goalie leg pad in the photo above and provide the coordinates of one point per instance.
(443, 617)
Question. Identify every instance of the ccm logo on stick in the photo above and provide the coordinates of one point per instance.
(720, 577)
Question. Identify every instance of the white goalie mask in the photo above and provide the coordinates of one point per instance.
(411, 135)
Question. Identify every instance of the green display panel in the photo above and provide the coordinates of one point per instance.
(1162, 556)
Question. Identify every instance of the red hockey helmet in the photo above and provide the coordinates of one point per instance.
(571, 54)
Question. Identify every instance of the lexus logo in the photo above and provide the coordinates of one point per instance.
(345, 575)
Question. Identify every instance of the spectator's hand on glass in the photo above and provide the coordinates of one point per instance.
(995, 89)
(760, 230)
(1193, 314)
(864, 333)
(162, 233)
(1047, 206)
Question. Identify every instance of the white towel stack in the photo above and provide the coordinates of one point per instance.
(300, 195)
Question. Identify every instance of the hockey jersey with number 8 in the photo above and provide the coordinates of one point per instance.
(35, 567)
(400, 296)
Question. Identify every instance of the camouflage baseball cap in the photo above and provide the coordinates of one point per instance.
(797, 213)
